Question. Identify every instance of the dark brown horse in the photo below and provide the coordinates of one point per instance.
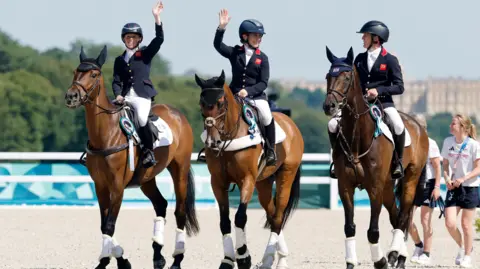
(364, 160)
(108, 161)
(233, 156)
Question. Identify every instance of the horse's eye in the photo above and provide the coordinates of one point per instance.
(94, 75)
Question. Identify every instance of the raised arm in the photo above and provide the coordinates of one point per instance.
(224, 50)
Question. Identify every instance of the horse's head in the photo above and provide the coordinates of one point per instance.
(212, 103)
(340, 79)
(212, 97)
(87, 80)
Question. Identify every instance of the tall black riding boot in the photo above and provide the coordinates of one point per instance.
(271, 157)
(399, 147)
(147, 139)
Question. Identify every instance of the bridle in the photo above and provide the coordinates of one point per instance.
(218, 122)
(334, 71)
(95, 88)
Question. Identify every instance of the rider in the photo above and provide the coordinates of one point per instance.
(131, 77)
(251, 72)
(380, 77)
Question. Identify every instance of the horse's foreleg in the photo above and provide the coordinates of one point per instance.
(159, 203)
(376, 200)
(220, 188)
(244, 261)
(110, 247)
(346, 192)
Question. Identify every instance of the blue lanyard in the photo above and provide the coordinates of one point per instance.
(464, 144)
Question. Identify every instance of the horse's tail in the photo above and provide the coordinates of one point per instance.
(292, 201)
(191, 224)
(418, 191)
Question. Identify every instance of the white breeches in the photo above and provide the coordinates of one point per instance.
(265, 114)
(397, 122)
(141, 106)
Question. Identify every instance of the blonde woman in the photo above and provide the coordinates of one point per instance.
(461, 153)
(427, 200)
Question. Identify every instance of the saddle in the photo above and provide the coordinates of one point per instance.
(130, 113)
(250, 115)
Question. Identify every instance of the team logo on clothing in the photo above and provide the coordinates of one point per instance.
(138, 53)
(451, 148)
(258, 61)
(383, 67)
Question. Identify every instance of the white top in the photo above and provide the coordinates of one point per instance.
(248, 53)
(372, 57)
(471, 152)
(433, 152)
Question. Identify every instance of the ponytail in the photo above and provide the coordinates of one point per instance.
(472, 131)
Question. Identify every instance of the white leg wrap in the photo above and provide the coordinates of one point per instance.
(351, 251)
(269, 255)
(282, 251)
(240, 241)
(282, 245)
(403, 250)
(228, 246)
(240, 237)
(158, 229)
(179, 242)
(377, 253)
(397, 241)
(110, 248)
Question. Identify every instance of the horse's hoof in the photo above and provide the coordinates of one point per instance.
(350, 266)
(244, 263)
(174, 267)
(103, 263)
(381, 264)
(123, 263)
(225, 266)
(392, 258)
(401, 262)
(160, 263)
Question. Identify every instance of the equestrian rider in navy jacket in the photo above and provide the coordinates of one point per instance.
(250, 72)
(131, 77)
(381, 77)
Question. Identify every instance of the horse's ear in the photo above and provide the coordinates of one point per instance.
(102, 57)
(82, 55)
(200, 82)
(332, 58)
(350, 56)
(221, 79)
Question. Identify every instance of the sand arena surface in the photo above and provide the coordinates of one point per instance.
(71, 238)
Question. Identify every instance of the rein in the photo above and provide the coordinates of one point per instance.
(211, 122)
(352, 111)
(86, 99)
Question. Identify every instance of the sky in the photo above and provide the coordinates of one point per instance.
(431, 38)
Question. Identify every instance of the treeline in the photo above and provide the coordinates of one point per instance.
(33, 83)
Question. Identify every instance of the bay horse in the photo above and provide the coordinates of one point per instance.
(107, 161)
(363, 158)
(233, 153)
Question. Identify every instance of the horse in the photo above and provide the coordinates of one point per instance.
(233, 153)
(363, 158)
(112, 130)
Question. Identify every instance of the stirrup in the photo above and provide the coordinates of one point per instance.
(200, 157)
(332, 171)
(397, 174)
(270, 157)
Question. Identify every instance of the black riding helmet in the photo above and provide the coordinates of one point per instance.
(132, 28)
(377, 28)
(250, 26)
